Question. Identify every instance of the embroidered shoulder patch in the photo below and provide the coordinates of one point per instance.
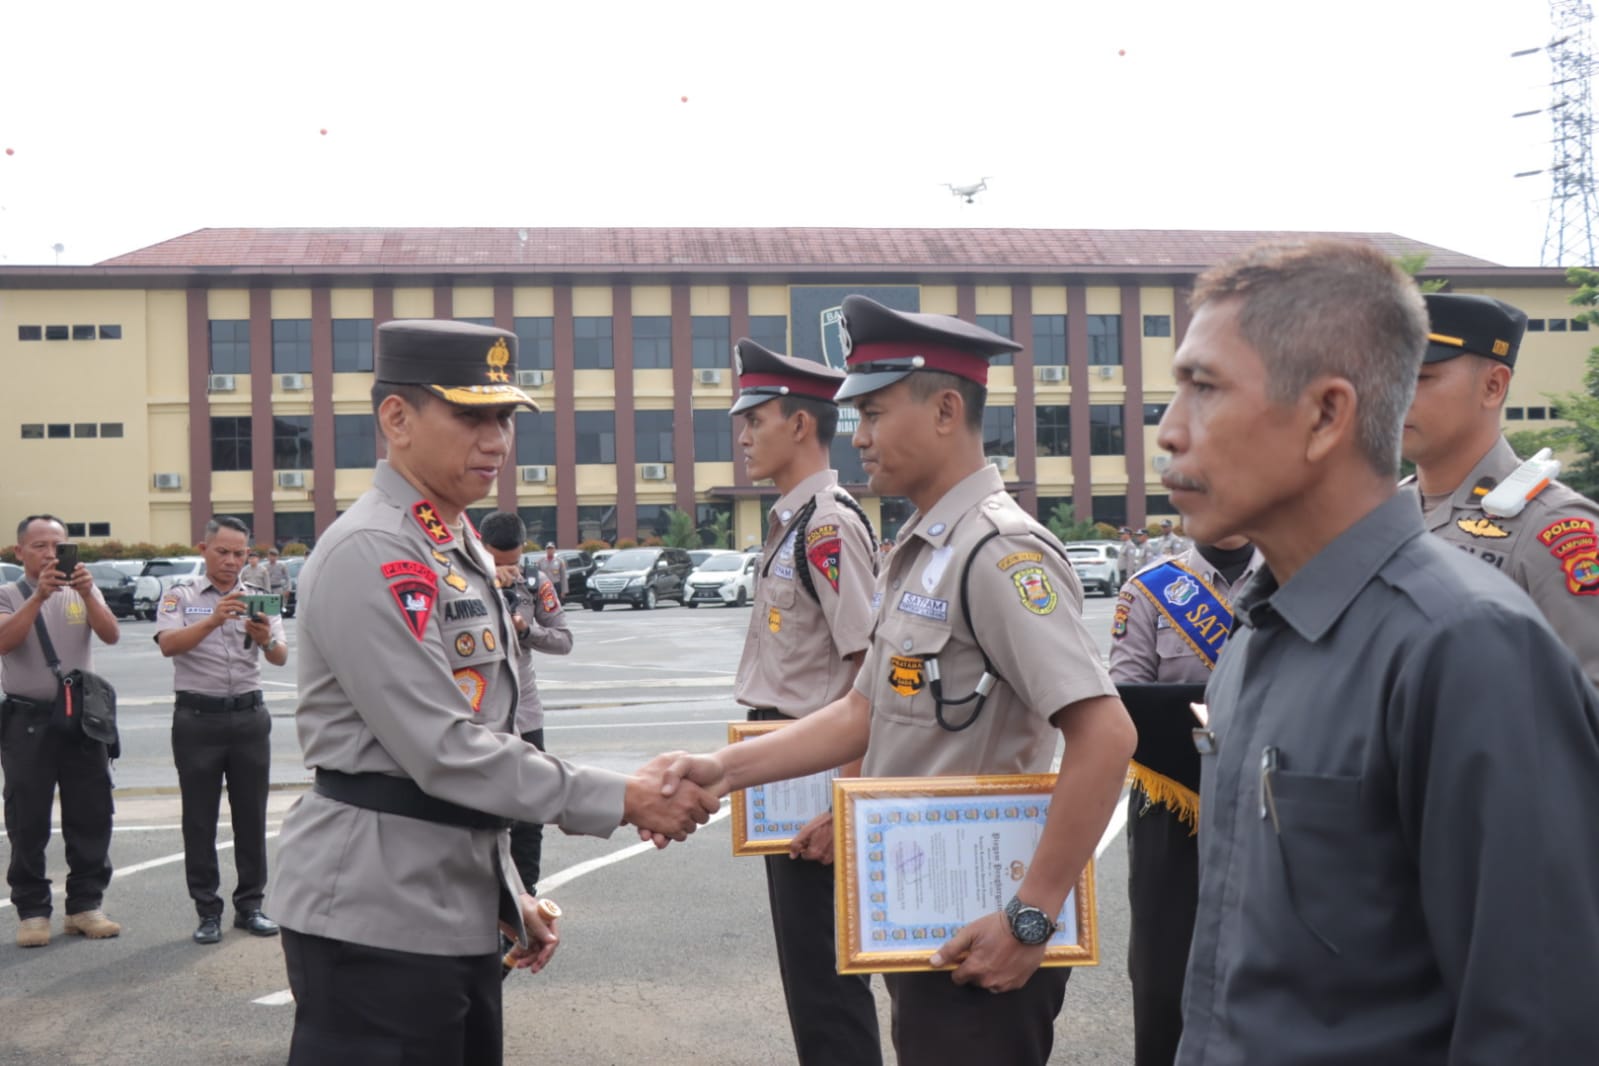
(1118, 626)
(547, 597)
(825, 554)
(1033, 586)
(1019, 557)
(169, 605)
(415, 588)
(409, 568)
(431, 524)
(1573, 543)
(472, 685)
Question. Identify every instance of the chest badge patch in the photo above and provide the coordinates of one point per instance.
(465, 645)
(472, 686)
(906, 675)
(1179, 592)
(924, 607)
(1037, 594)
(76, 615)
(431, 523)
(823, 548)
(1482, 527)
(489, 643)
(774, 619)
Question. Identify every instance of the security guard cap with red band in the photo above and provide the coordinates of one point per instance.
(882, 345)
(460, 362)
(765, 375)
(1467, 324)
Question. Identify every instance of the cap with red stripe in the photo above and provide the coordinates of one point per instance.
(765, 375)
(882, 345)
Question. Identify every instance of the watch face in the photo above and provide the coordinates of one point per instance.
(1032, 926)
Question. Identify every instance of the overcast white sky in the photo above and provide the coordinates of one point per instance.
(133, 123)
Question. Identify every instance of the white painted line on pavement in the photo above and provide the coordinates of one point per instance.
(128, 871)
(1118, 820)
(276, 999)
(632, 725)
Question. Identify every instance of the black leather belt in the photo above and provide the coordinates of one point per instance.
(18, 703)
(768, 714)
(402, 796)
(198, 701)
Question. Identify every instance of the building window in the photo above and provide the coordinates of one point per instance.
(541, 523)
(99, 529)
(1158, 504)
(596, 436)
(597, 522)
(291, 345)
(230, 346)
(1537, 412)
(896, 511)
(1105, 430)
(1514, 414)
(1157, 325)
(476, 320)
(999, 431)
(1579, 325)
(1054, 429)
(652, 436)
(230, 442)
(708, 517)
(713, 345)
(30, 333)
(535, 343)
(75, 529)
(352, 346)
(58, 430)
(770, 332)
(83, 333)
(1111, 510)
(846, 459)
(110, 429)
(1049, 340)
(1104, 340)
(57, 333)
(713, 437)
(33, 431)
(291, 442)
(654, 519)
(1534, 325)
(1557, 325)
(109, 333)
(535, 439)
(998, 324)
(294, 525)
(1554, 412)
(86, 429)
(652, 342)
(591, 343)
(355, 442)
(1153, 413)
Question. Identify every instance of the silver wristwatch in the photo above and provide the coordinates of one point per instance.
(1029, 924)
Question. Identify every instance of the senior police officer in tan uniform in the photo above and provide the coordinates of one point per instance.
(220, 725)
(978, 587)
(808, 629)
(1171, 622)
(1551, 547)
(395, 870)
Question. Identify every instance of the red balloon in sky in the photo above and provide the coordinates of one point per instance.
(1121, 51)
(685, 99)
(11, 151)
(324, 133)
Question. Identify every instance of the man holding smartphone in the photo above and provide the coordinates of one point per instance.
(220, 727)
(35, 756)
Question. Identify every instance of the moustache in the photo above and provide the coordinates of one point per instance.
(1173, 480)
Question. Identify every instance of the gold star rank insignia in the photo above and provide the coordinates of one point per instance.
(499, 358)
(431, 524)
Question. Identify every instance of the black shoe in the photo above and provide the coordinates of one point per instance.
(210, 931)
(255, 923)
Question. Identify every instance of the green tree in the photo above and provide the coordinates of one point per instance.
(719, 534)
(1062, 522)
(680, 530)
(1415, 264)
(1579, 438)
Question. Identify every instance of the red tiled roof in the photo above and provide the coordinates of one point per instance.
(692, 250)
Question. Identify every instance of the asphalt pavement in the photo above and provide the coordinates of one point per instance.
(666, 957)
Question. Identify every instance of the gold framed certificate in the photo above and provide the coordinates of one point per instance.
(918, 858)
(767, 817)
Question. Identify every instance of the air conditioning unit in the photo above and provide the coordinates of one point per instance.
(533, 475)
(652, 471)
(1002, 462)
(530, 379)
(1051, 373)
(292, 382)
(710, 377)
(220, 383)
(1161, 463)
(168, 481)
(291, 479)
(1107, 372)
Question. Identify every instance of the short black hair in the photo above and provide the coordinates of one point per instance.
(417, 396)
(226, 521)
(22, 526)
(822, 412)
(503, 530)
(926, 383)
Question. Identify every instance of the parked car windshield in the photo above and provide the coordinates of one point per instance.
(168, 567)
(725, 562)
(637, 559)
(107, 572)
(1084, 553)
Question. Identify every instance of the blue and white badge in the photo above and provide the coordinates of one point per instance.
(877, 601)
(197, 610)
(924, 607)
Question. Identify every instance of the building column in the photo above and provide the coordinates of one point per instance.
(504, 318)
(323, 456)
(682, 398)
(966, 302)
(199, 322)
(1077, 376)
(1021, 325)
(261, 474)
(382, 311)
(1133, 402)
(626, 424)
(565, 420)
(443, 299)
(738, 323)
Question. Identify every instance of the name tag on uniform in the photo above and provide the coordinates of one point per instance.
(197, 610)
(924, 607)
(877, 601)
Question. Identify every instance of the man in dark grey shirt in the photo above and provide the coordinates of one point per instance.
(1395, 863)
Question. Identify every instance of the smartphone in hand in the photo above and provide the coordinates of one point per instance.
(66, 558)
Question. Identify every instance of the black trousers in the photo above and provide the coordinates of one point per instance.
(35, 760)
(1163, 895)
(527, 838)
(833, 1015)
(363, 1006)
(940, 1023)
(210, 748)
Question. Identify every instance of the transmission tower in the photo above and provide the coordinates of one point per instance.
(1569, 231)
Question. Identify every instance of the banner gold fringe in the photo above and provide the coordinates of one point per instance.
(1182, 801)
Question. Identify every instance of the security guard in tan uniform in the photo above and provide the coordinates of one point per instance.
(1544, 537)
(809, 626)
(396, 868)
(1171, 622)
(935, 698)
(220, 725)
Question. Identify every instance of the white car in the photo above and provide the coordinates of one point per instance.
(726, 577)
(158, 576)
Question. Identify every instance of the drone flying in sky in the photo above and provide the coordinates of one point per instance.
(967, 192)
